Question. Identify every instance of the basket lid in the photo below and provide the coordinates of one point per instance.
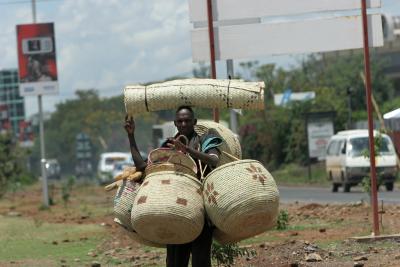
(168, 155)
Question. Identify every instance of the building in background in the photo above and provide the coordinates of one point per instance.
(12, 107)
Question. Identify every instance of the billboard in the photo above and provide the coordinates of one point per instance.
(37, 59)
(319, 132)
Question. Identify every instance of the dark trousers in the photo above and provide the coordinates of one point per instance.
(178, 255)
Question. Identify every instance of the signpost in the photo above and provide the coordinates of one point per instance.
(241, 33)
(37, 73)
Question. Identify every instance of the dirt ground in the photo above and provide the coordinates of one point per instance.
(317, 235)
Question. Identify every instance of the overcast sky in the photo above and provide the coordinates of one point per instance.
(107, 44)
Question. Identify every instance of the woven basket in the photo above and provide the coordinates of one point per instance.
(162, 167)
(167, 155)
(134, 236)
(205, 93)
(230, 143)
(241, 199)
(123, 202)
(169, 208)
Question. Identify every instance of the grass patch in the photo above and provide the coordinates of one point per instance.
(294, 174)
(23, 239)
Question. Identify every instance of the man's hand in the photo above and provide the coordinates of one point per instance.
(129, 125)
(177, 144)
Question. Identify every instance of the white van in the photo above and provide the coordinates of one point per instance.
(346, 164)
(107, 162)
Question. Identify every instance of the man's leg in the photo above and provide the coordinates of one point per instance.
(201, 248)
(178, 255)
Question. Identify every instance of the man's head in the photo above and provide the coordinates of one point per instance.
(185, 120)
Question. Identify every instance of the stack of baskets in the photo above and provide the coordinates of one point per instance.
(240, 197)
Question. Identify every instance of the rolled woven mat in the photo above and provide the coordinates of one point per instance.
(205, 93)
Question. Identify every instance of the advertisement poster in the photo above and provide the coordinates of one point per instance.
(37, 59)
(319, 132)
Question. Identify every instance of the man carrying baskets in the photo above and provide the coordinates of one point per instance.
(203, 149)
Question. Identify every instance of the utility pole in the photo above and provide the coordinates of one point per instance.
(212, 50)
(233, 114)
(41, 134)
(349, 92)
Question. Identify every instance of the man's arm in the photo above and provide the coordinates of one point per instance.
(210, 158)
(140, 164)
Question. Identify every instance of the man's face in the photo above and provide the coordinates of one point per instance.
(185, 122)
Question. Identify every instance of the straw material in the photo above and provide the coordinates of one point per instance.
(134, 236)
(231, 143)
(167, 155)
(169, 208)
(162, 167)
(205, 93)
(241, 199)
(123, 202)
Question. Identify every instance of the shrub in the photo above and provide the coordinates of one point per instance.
(225, 254)
(283, 220)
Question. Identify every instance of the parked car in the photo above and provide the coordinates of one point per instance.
(53, 170)
(347, 164)
(112, 163)
(107, 162)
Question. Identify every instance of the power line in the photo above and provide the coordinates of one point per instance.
(25, 2)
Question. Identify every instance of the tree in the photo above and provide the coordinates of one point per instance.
(12, 167)
(278, 135)
(101, 119)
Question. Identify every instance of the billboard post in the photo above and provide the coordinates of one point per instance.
(368, 92)
(37, 74)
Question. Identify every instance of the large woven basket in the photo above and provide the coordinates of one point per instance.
(241, 199)
(205, 93)
(230, 143)
(123, 202)
(167, 155)
(162, 167)
(135, 237)
(169, 208)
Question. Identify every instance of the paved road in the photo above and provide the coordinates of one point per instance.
(324, 195)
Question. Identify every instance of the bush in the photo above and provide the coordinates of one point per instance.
(66, 189)
(13, 173)
(225, 254)
(283, 220)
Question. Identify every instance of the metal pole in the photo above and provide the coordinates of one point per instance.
(368, 92)
(233, 114)
(42, 155)
(34, 10)
(41, 134)
(212, 50)
(308, 150)
(349, 91)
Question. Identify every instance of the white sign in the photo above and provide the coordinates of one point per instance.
(302, 96)
(319, 131)
(241, 33)
(239, 9)
(307, 36)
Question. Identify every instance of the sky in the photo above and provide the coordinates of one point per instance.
(107, 44)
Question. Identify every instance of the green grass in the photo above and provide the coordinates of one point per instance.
(294, 174)
(26, 239)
